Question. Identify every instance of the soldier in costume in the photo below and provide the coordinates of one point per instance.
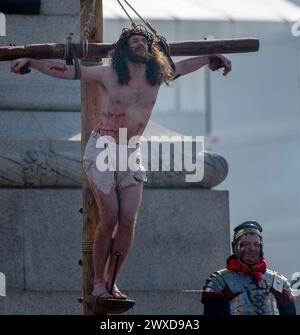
(246, 286)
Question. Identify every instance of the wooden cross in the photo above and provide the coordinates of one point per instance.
(91, 98)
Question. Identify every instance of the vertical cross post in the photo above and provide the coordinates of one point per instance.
(91, 23)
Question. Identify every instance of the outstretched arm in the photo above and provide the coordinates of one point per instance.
(214, 63)
(58, 70)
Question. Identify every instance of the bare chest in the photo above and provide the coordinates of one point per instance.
(133, 96)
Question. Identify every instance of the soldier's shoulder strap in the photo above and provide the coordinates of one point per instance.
(216, 282)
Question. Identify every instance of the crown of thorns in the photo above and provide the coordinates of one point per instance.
(137, 30)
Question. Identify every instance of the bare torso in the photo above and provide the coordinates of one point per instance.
(126, 106)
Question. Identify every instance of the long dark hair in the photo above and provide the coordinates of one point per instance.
(158, 68)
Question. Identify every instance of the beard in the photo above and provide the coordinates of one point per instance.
(149, 60)
(139, 59)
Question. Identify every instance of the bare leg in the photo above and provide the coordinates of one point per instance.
(129, 203)
(108, 211)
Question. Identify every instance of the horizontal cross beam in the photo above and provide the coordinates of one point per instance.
(101, 50)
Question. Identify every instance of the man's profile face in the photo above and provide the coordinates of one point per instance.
(250, 248)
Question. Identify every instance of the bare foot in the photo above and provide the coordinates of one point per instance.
(117, 294)
(101, 292)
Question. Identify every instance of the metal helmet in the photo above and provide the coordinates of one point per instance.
(247, 227)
